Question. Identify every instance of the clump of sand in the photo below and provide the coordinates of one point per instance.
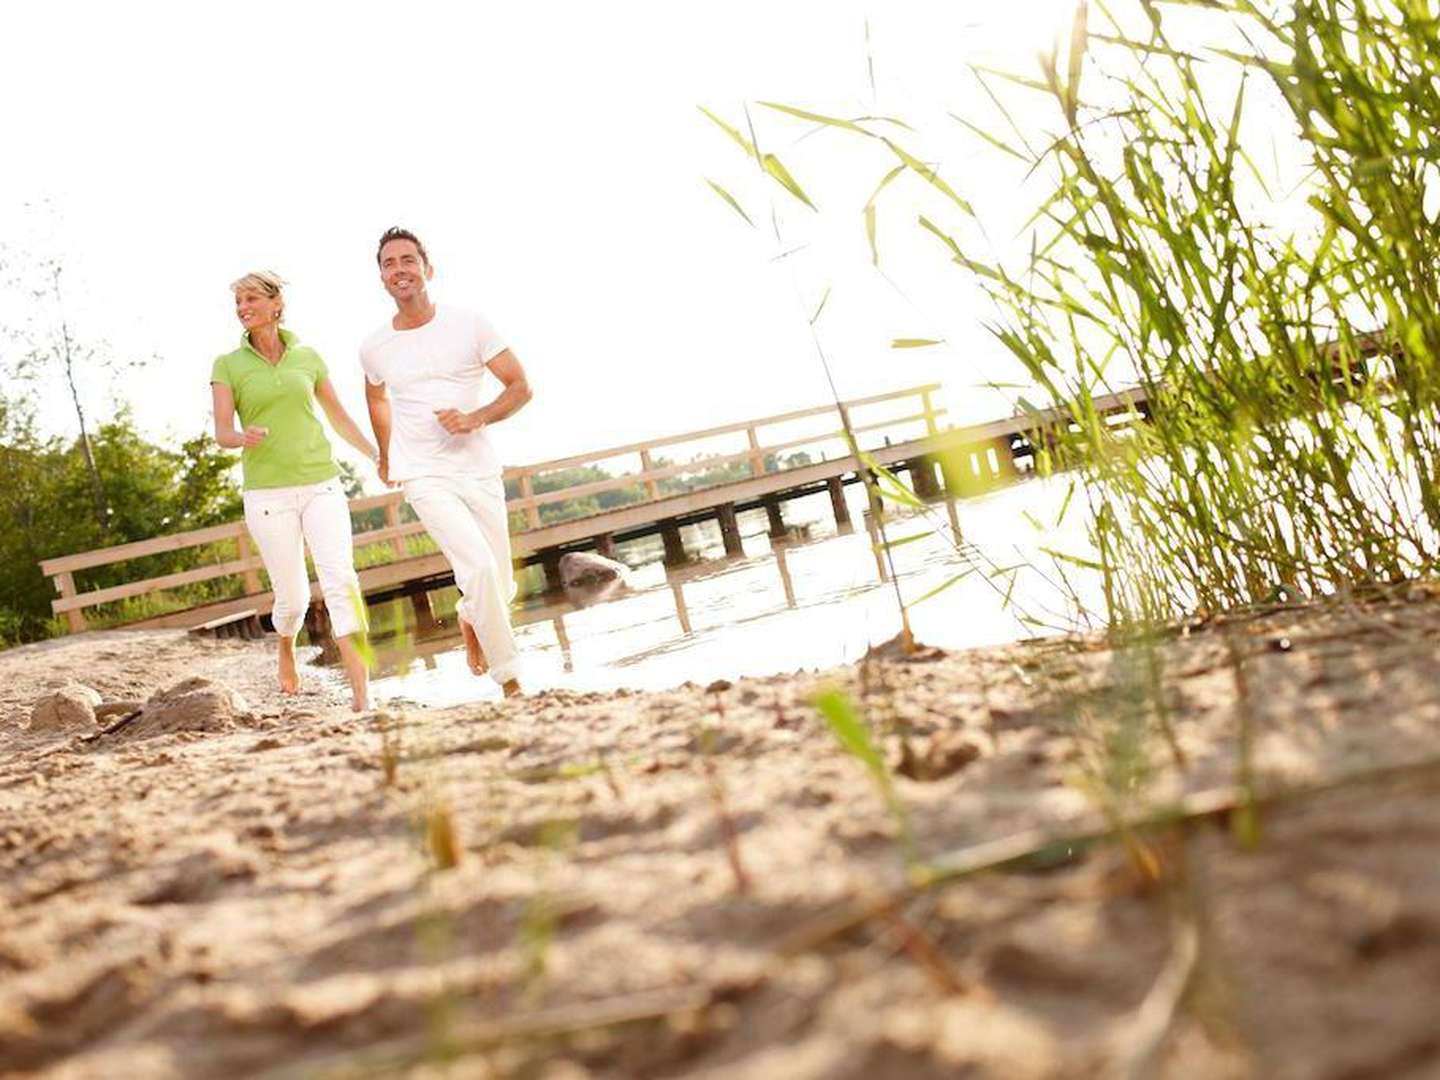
(68, 710)
(196, 704)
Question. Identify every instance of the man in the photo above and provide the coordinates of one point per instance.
(425, 384)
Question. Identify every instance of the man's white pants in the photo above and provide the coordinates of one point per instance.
(281, 521)
(466, 515)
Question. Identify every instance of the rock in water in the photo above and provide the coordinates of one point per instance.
(589, 578)
(71, 708)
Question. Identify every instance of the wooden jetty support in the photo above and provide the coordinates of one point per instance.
(663, 497)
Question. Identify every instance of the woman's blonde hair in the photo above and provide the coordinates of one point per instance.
(266, 282)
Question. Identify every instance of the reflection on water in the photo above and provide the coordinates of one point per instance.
(810, 603)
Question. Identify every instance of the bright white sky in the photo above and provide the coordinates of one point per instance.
(552, 157)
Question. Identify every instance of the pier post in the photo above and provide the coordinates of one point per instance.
(872, 496)
(785, 577)
(757, 459)
(251, 576)
(729, 529)
(776, 514)
(317, 623)
(954, 516)
(922, 478)
(652, 490)
(399, 549)
(605, 545)
(424, 612)
(1005, 471)
(950, 463)
(550, 562)
(563, 640)
(951, 486)
(681, 611)
(527, 491)
(674, 545)
(835, 485)
(65, 586)
(931, 428)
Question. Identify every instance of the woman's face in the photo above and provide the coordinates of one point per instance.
(253, 308)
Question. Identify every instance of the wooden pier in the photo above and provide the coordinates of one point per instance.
(942, 464)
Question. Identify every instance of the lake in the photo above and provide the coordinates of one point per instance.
(744, 621)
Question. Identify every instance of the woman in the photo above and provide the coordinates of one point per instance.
(291, 486)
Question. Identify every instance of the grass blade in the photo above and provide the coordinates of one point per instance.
(734, 205)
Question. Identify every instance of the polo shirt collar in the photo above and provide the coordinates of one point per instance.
(287, 338)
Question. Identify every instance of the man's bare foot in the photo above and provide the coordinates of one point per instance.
(289, 676)
(511, 688)
(360, 704)
(474, 655)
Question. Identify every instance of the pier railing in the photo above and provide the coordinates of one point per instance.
(235, 558)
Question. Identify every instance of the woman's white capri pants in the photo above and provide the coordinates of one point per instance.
(278, 520)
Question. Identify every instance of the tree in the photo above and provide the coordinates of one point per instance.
(43, 345)
(148, 489)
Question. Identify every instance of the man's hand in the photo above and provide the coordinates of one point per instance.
(459, 423)
(382, 466)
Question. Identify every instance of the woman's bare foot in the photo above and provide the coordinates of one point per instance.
(474, 655)
(289, 676)
(511, 687)
(356, 672)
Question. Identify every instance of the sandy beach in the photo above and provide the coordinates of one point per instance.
(702, 882)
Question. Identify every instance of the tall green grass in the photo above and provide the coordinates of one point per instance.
(1285, 327)
(1291, 371)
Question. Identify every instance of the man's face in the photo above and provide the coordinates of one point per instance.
(403, 271)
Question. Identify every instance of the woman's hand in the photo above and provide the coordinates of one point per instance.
(253, 436)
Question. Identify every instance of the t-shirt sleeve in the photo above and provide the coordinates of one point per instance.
(220, 372)
(488, 342)
(321, 371)
(367, 365)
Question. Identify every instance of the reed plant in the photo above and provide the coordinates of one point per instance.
(1290, 372)
(1283, 322)
(850, 729)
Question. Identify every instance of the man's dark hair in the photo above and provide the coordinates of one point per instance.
(395, 232)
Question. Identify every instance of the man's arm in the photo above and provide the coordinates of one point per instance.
(515, 394)
(377, 402)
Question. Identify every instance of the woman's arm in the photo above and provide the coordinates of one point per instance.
(225, 433)
(341, 422)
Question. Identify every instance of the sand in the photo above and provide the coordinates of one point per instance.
(667, 884)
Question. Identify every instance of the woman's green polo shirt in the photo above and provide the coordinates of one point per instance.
(280, 397)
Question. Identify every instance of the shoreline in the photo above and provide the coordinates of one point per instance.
(254, 888)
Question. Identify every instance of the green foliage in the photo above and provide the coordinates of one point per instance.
(45, 510)
(629, 494)
(853, 734)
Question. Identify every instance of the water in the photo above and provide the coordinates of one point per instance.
(742, 622)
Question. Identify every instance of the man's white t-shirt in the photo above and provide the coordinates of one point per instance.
(441, 365)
